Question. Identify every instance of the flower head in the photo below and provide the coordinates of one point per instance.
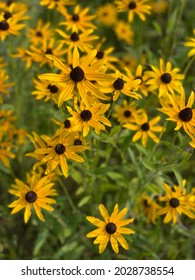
(33, 195)
(111, 229)
(177, 202)
(180, 112)
(145, 128)
(139, 7)
(80, 77)
(164, 78)
(86, 117)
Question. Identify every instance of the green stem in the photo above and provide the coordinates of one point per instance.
(188, 65)
(67, 195)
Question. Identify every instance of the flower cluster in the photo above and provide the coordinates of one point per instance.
(106, 114)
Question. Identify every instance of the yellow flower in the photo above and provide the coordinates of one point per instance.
(33, 195)
(46, 90)
(139, 7)
(83, 41)
(39, 53)
(126, 112)
(180, 112)
(56, 152)
(121, 83)
(107, 14)
(40, 33)
(165, 79)
(80, 77)
(9, 20)
(87, 117)
(159, 6)
(56, 4)
(111, 229)
(124, 32)
(149, 208)
(191, 43)
(79, 20)
(105, 53)
(177, 202)
(145, 128)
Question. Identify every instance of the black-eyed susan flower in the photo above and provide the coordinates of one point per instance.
(56, 4)
(8, 27)
(82, 40)
(57, 151)
(39, 53)
(35, 194)
(121, 84)
(85, 117)
(180, 112)
(79, 78)
(78, 20)
(111, 229)
(126, 113)
(164, 79)
(139, 7)
(107, 14)
(41, 32)
(106, 54)
(159, 6)
(149, 208)
(124, 31)
(47, 91)
(177, 203)
(191, 43)
(127, 61)
(145, 128)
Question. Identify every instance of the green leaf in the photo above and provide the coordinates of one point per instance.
(115, 130)
(84, 200)
(41, 239)
(177, 175)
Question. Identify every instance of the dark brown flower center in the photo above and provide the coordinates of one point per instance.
(111, 228)
(77, 142)
(60, 149)
(75, 17)
(31, 196)
(186, 114)
(39, 34)
(86, 115)
(166, 78)
(174, 202)
(67, 124)
(77, 74)
(7, 15)
(100, 54)
(53, 88)
(118, 84)
(145, 126)
(49, 51)
(74, 37)
(132, 5)
(4, 25)
(127, 113)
